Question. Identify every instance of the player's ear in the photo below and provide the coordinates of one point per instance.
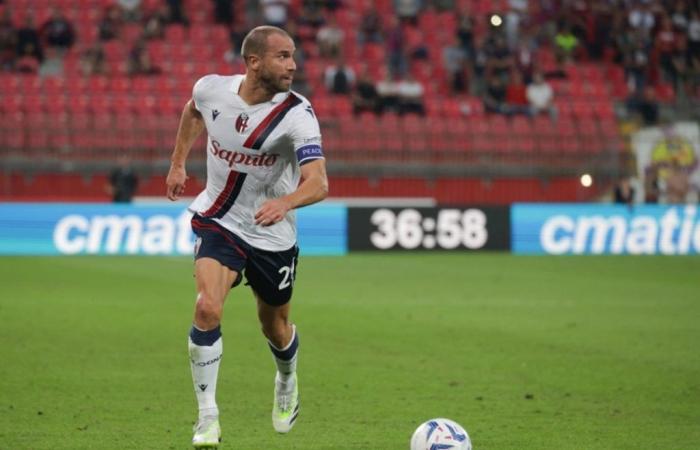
(254, 62)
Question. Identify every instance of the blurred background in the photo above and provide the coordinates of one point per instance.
(458, 101)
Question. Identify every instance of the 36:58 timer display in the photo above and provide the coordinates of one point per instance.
(411, 228)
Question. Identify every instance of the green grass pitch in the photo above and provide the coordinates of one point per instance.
(524, 352)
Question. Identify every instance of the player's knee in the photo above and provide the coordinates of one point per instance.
(207, 310)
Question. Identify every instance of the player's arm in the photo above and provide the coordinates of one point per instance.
(191, 126)
(313, 188)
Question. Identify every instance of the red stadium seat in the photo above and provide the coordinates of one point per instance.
(374, 53)
(56, 104)
(123, 104)
(12, 127)
(12, 103)
(33, 103)
(142, 85)
(604, 110)
(97, 84)
(582, 109)
(175, 34)
(120, 85)
(53, 86)
(498, 125)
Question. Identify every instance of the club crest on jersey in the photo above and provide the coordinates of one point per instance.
(242, 123)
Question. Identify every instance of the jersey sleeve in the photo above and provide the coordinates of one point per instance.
(306, 134)
(202, 91)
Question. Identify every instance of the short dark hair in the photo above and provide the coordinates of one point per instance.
(255, 42)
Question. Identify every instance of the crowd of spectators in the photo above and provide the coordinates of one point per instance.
(498, 56)
(38, 49)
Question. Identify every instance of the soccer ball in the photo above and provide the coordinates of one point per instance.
(440, 434)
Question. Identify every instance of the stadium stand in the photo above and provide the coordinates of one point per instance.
(119, 81)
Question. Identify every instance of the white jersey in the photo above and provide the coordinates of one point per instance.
(253, 154)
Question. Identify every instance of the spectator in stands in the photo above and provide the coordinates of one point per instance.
(28, 34)
(370, 29)
(110, 24)
(408, 10)
(665, 45)
(395, 49)
(465, 31)
(8, 41)
(455, 61)
(641, 18)
(565, 44)
(123, 181)
(410, 92)
(652, 191)
(223, 12)
(311, 15)
(131, 10)
(139, 62)
(601, 34)
(155, 23)
(27, 62)
(495, 96)
(680, 16)
(92, 60)
(176, 13)
(58, 31)
(388, 90)
(275, 12)
(442, 5)
(636, 62)
(693, 73)
(540, 96)
(643, 103)
(682, 67)
(513, 19)
(339, 78)
(329, 39)
(694, 33)
(677, 183)
(365, 96)
(624, 192)
(419, 51)
(516, 96)
(332, 5)
(524, 59)
(499, 59)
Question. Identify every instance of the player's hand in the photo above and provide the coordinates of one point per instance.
(272, 211)
(175, 182)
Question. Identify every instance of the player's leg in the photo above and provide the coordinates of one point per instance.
(213, 281)
(283, 341)
(271, 276)
(281, 336)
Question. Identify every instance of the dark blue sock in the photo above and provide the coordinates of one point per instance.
(289, 352)
(205, 338)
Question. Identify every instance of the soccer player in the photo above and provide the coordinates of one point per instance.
(264, 159)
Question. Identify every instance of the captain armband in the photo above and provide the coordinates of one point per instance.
(308, 153)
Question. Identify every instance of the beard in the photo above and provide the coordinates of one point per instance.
(272, 83)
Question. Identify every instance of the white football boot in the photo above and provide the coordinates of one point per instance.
(286, 406)
(207, 433)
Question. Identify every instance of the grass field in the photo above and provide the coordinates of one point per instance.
(524, 352)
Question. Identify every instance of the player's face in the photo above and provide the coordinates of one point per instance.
(278, 66)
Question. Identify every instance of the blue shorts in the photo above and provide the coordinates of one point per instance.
(270, 274)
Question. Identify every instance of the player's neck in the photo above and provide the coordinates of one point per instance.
(252, 92)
